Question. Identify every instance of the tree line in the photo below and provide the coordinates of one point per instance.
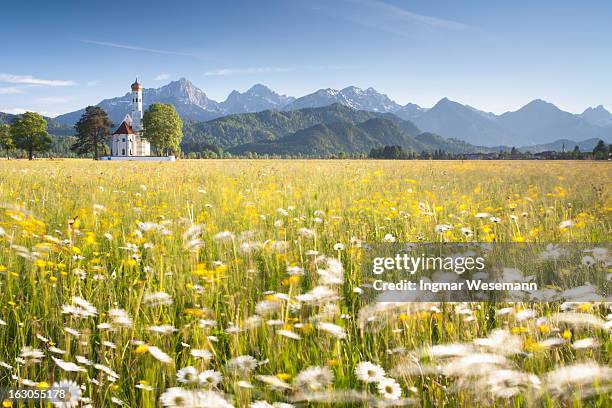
(601, 151)
(28, 132)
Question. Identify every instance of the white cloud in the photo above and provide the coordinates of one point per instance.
(138, 48)
(392, 11)
(19, 111)
(30, 80)
(385, 17)
(162, 77)
(53, 99)
(13, 111)
(9, 90)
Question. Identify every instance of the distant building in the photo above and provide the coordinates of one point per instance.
(127, 141)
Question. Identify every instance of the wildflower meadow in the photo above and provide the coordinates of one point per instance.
(237, 283)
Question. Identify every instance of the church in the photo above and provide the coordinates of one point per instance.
(127, 141)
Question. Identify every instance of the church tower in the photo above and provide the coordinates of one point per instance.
(136, 106)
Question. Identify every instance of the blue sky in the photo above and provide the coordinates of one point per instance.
(58, 56)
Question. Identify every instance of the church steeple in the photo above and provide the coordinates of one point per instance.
(136, 106)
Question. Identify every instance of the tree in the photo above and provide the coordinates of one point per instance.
(6, 141)
(91, 131)
(29, 132)
(601, 150)
(163, 127)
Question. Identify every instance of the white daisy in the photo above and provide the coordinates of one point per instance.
(389, 389)
(72, 394)
(369, 373)
(314, 378)
(202, 354)
(209, 378)
(67, 365)
(176, 397)
(187, 375)
(159, 355)
(260, 404)
(242, 364)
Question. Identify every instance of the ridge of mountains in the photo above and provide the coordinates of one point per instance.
(321, 131)
(537, 123)
(330, 121)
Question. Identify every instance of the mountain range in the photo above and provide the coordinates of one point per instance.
(321, 131)
(537, 123)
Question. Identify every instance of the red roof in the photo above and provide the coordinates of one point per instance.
(124, 129)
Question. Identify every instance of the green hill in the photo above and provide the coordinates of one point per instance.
(234, 130)
(53, 127)
(343, 137)
(332, 138)
(450, 145)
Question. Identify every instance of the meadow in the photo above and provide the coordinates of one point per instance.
(238, 283)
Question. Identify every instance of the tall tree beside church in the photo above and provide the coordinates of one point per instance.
(6, 141)
(163, 128)
(91, 131)
(29, 132)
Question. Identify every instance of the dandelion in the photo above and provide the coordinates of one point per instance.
(506, 383)
(120, 318)
(295, 271)
(79, 308)
(267, 307)
(157, 299)
(319, 295)
(389, 389)
(369, 373)
(306, 233)
(162, 329)
(566, 380)
(223, 236)
(331, 271)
